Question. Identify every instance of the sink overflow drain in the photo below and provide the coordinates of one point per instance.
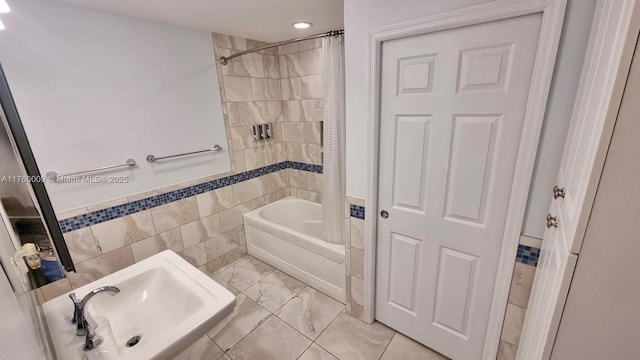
(133, 341)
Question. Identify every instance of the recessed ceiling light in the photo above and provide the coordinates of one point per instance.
(1, 25)
(4, 7)
(302, 25)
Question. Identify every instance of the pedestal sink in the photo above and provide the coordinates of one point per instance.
(164, 305)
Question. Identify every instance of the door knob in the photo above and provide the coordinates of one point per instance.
(558, 192)
(552, 221)
(384, 214)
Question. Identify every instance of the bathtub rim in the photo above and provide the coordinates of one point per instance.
(335, 252)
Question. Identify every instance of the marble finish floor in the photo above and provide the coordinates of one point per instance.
(279, 318)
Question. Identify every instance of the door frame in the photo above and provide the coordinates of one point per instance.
(550, 30)
(612, 46)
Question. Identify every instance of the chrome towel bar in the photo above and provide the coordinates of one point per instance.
(151, 158)
(52, 175)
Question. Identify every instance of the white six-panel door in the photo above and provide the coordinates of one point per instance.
(452, 105)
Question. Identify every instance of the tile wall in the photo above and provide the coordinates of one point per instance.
(301, 86)
(354, 256)
(521, 283)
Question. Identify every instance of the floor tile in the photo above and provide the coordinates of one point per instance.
(274, 290)
(310, 312)
(245, 317)
(272, 340)
(226, 285)
(350, 338)
(315, 352)
(244, 272)
(203, 349)
(403, 348)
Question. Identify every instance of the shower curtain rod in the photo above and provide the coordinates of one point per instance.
(224, 60)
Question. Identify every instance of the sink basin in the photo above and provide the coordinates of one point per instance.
(164, 303)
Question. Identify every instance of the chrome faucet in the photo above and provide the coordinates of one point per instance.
(83, 328)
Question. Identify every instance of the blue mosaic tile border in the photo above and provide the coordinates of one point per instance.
(528, 255)
(305, 167)
(99, 216)
(357, 211)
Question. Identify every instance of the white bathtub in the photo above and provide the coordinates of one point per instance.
(288, 235)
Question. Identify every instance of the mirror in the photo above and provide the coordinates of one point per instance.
(96, 95)
(31, 252)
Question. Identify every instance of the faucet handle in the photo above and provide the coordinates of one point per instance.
(74, 298)
(76, 308)
(91, 340)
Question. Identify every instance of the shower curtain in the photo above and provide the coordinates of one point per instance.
(333, 93)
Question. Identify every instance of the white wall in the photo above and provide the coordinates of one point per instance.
(363, 15)
(95, 88)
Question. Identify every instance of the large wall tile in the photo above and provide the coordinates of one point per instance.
(230, 42)
(317, 61)
(513, 321)
(271, 66)
(91, 270)
(521, 284)
(174, 214)
(225, 69)
(81, 244)
(195, 255)
(300, 64)
(357, 263)
(279, 153)
(506, 351)
(247, 190)
(275, 111)
(249, 65)
(249, 113)
(301, 110)
(258, 157)
(357, 233)
(282, 62)
(274, 182)
(215, 201)
(242, 138)
(309, 195)
(200, 230)
(310, 44)
(170, 240)
(314, 182)
(237, 88)
(289, 48)
(291, 88)
(222, 244)
(265, 89)
(232, 218)
(297, 178)
(302, 132)
(123, 231)
(311, 86)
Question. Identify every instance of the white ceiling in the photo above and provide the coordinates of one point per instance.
(266, 20)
